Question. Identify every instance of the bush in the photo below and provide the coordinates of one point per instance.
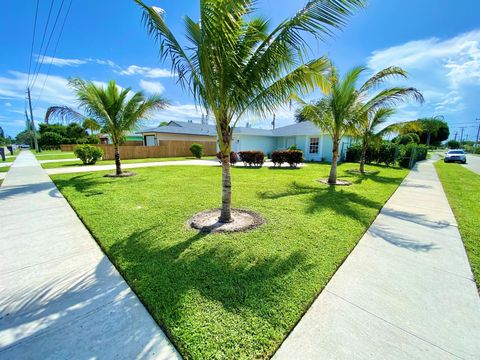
(292, 157)
(453, 144)
(407, 152)
(252, 158)
(233, 157)
(354, 153)
(197, 150)
(383, 153)
(88, 154)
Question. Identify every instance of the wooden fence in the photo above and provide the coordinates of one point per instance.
(167, 148)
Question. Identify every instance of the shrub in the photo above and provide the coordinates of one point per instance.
(387, 153)
(197, 150)
(354, 153)
(293, 147)
(252, 158)
(292, 157)
(50, 140)
(88, 154)
(407, 152)
(453, 144)
(233, 157)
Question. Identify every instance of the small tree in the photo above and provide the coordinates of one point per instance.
(453, 144)
(197, 150)
(112, 108)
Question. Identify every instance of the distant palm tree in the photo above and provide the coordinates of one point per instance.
(111, 108)
(233, 64)
(372, 111)
(91, 125)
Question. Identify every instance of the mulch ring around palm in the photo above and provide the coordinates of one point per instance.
(338, 183)
(242, 220)
(123, 174)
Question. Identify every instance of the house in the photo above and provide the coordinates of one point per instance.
(315, 144)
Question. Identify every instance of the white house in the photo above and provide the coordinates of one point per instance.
(315, 144)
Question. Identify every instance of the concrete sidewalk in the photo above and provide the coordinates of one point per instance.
(405, 292)
(60, 297)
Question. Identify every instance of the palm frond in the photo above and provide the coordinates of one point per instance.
(383, 75)
(63, 113)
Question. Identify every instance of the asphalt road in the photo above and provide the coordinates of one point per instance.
(473, 163)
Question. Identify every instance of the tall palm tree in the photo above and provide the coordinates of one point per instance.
(234, 65)
(112, 108)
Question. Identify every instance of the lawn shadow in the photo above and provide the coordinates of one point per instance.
(342, 202)
(219, 273)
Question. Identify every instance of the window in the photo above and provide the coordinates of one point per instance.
(313, 145)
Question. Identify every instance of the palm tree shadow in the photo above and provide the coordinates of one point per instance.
(216, 273)
(321, 198)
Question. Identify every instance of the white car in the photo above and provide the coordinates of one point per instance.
(455, 155)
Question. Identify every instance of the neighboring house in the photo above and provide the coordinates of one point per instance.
(315, 145)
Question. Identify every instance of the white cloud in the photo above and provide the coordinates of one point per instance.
(447, 71)
(152, 87)
(146, 71)
(59, 61)
(7, 104)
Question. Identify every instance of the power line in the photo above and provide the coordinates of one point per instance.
(49, 39)
(54, 53)
(44, 34)
(33, 42)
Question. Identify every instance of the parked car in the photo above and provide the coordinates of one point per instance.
(24, 146)
(455, 156)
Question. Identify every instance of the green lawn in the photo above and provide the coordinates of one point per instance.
(228, 296)
(463, 192)
(4, 168)
(109, 162)
(54, 155)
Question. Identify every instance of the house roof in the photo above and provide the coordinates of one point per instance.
(181, 127)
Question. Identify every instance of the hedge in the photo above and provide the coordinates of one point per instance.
(388, 153)
(196, 150)
(252, 158)
(291, 157)
(233, 157)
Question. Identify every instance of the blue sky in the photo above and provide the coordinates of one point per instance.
(436, 41)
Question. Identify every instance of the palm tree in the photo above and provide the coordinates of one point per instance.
(91, 125)
(347, 110)
(111, 108)
(378, 108)
(233, 64)
(334, 113)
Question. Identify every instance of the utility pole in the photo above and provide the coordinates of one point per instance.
(456, 133)
(273, 122)
(478, 135)
(32, 122)
(461, 136)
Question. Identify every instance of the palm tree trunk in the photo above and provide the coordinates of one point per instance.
(118, 165)
(225, 148)
(332, 178)
(428, 139)
(363, 156)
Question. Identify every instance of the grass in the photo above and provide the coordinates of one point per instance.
(110, 162)
(228, 296)
(4, 168)
(54, 155)
(462, 187)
